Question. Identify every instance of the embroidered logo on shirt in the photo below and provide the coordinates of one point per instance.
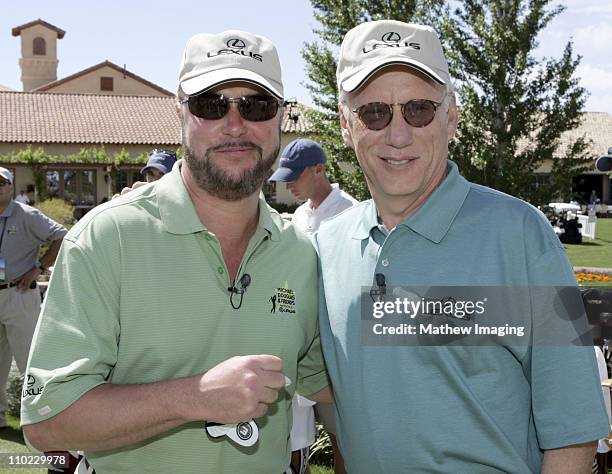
(12, 230)
(29, 390)
(283, 300)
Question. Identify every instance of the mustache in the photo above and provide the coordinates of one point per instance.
(235, 144)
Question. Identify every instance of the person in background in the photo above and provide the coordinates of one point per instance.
(22, 197)
(22, 230)
(160, 162)
(302, 167)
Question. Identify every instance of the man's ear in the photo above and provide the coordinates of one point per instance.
(179, 110)
(344, 125)
(452, 119)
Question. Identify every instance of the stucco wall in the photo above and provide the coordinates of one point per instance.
(90, 84)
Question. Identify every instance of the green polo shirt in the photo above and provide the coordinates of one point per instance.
(140, 294)
(452, 409)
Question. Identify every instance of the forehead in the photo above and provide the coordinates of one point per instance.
(398, 82)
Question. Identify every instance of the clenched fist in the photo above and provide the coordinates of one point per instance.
(237, 389)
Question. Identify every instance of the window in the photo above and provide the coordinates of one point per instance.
(540, 180)
(269, 190)
(75, 185)
(125, 179)
(106, 83)
(40, 47)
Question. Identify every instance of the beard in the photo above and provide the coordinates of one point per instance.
(215, 181)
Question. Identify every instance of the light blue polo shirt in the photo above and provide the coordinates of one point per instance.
(450, 409)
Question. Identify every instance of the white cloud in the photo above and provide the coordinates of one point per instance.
(599, 103)
(594, 78)
(588, 7)
(594, 37)
(596, 81)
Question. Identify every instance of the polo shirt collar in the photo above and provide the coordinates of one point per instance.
(435, 216)
(9, 209)
(329, 200)
(178, 213)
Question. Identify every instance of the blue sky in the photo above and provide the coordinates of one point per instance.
(148, 37)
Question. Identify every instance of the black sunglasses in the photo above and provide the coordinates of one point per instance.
(417, 113)
(254, 108)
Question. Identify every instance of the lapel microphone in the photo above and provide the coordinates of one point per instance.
(245, 281)
(379, 293)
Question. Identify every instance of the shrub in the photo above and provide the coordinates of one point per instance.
(59, 210)
(282, 207)
(321, 452)
(13, 392)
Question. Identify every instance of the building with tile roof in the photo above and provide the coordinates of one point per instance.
(95, 127)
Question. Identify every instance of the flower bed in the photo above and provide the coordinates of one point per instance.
(584, 276)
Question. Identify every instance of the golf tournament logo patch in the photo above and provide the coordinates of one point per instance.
(244, 431)
(283, 300)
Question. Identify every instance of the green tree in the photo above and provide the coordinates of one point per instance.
(514, 107)
(336, 18)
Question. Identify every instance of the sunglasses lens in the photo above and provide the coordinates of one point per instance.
(419, 113)
(375, 115)
(254, 108)
(208, 106)
(258, 108)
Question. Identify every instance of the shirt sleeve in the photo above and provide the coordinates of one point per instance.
(312, 374)
(75, 343)
(566, 394)
(44, 228)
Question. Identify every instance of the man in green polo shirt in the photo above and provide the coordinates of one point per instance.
(186, 301)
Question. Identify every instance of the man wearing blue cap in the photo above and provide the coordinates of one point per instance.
(302, 167)
(160, 162)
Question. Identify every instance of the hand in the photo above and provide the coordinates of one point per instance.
(238, 389)
(126, 190)
(27, 278)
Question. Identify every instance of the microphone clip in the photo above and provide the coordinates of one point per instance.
(378, 293)
(245, 281)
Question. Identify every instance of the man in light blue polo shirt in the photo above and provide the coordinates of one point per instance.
(439, 409)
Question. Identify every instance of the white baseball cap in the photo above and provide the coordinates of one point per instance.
(6, 174)
(213, 59)
(373, 45)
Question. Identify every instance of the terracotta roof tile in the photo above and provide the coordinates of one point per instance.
(95, 119)
(597, 126)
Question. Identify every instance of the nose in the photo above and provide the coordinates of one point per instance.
(398, 133)
(234, 125)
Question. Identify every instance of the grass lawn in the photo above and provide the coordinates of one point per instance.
(11, 442)
(320, 469)
(593, 253)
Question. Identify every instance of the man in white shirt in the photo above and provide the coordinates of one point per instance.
(302, 167)
(22, 197)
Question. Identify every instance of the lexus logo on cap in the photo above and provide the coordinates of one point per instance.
(31, 380)
(391, 37)
(235, 43)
